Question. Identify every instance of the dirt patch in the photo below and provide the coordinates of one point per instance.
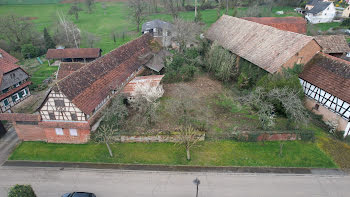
(73, 1)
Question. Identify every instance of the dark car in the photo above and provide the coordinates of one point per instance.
(79, 194)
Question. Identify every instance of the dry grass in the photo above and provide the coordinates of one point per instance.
(339, 151)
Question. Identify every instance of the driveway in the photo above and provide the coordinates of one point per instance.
(7, 144)
(53, 182)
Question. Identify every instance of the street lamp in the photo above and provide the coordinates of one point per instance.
(197, 182)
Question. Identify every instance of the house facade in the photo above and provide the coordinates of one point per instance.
(321, 12)
(267, 47)
(325, 81)
(162, 31)
(346, 12)
(73, 105)
(14, 82)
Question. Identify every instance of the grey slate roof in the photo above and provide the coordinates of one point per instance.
(319, 7)
(156, 24)
(11, 78)
(312, 2)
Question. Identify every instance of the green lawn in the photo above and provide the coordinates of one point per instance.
(327, 26)
(209, 153)
(101, 24)
(43, 72)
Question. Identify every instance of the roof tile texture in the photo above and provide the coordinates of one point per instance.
(7, 57)
(73, 53)
(333, 43)
(265, 46)
(90, 85)
(293, 24)
(67, 68)
(330, 74)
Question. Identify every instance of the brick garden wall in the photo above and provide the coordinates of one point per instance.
(28, 132)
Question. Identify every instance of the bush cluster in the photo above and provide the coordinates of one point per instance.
(21, 191)
(182, 67)
(253, 136)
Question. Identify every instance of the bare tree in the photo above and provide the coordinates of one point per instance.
(106, 134)
(90, 4)
(68, 31)
(138, 11)
(90, 39)
(189, 137)
(18, 31)
(186, 33)
(171, 7)
(74, 10)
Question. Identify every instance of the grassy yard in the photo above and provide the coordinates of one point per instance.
(43, 72)
(209, 153)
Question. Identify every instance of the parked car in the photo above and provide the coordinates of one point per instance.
(79, 194)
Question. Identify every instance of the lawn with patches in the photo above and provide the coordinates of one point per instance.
(209, 153)
(327, 26)
(42, 72)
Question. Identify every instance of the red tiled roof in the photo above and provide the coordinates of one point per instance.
(14, 90)
(333, 43)
(293, 24)
(330, 74)
(91, 84)
(67, 68)
(7, 57)
(19, 117)
(153, 80)
(73, 53)
(7, 66)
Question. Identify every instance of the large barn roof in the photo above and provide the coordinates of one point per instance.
(67, 68)
(265, 46)
(73, 53)
(293, 24)
(91, 84)
(330, 74)
(333, 43)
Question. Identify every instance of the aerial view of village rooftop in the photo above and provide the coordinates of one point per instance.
(180, 98)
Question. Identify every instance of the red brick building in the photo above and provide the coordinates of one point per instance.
(72, 105)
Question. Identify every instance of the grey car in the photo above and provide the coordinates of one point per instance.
(79, 194)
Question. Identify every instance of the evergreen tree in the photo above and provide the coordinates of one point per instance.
(49, 44)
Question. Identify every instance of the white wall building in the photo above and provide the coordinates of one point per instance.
(321, 12)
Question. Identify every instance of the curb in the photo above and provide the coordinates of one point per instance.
(181, 168)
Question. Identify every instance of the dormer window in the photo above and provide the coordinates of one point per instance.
(12, 75)
(1, 55)
(16, 85)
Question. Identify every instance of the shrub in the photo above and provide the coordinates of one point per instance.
(182, 67)
(346, 22)
(30, 51)
(21, 191)
(253, 136)
(187, 72)
(339, 135)
(252, 72)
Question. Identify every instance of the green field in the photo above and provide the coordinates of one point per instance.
(101, 24)
(14, 2)
(209, 153)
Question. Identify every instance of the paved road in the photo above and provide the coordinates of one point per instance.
(7, 144)
(51, 182)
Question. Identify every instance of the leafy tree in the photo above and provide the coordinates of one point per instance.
(138, 12)
(21, 191)
(30, 51)
(74, 10)
(49, 44)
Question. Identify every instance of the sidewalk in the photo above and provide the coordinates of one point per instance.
(7, 143)
(219, 169)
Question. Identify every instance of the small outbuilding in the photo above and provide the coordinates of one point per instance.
(74, 54)
(335, 45)
(160, 30)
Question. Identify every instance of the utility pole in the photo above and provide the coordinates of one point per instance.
(197, 182)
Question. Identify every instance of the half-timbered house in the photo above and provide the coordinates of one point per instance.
(326, 81)
(14, 82)
(72, 105)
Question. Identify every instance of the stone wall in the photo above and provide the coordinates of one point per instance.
(156, 138)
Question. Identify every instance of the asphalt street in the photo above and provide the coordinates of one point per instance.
(53, 182)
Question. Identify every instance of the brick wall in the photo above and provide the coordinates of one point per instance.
(29, 132)
(305, 54)
(82, 137)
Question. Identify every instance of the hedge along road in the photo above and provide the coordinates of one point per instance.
(54, 182)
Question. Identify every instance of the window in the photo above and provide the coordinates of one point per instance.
(15, 97)
(59, 131)
(24, 92)
(5, 90)
(74, 116)
(0, 55)
(12, 75)
(16, 85)
(6, 102)
(317, 106)
(73, 132)
(52, 116)
(59, 103)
